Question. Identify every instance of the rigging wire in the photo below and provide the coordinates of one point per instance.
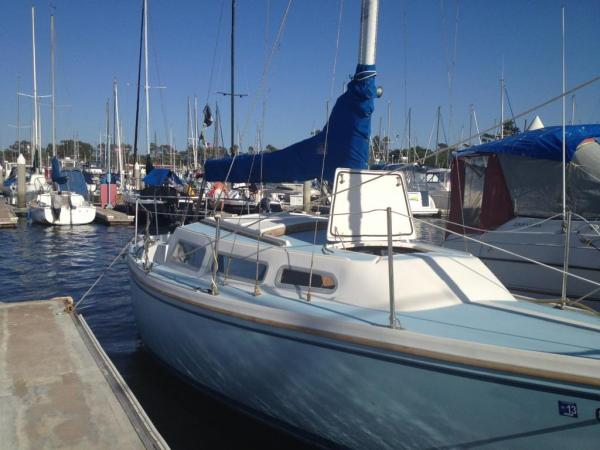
(266, 68)
(214, 57)
(325, 146)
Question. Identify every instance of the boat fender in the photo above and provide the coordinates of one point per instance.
(598, 414)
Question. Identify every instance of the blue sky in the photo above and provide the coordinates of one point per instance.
(422, 44)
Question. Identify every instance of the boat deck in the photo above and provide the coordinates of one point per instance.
(58, 389)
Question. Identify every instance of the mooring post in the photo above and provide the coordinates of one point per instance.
(21, 178)
(306, 190)
(136, 176)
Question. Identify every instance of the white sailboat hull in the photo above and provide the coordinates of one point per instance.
(344, 392)
(70, 209)
(76, 216)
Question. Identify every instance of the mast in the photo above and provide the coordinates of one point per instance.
(437, 134)
(564, 150)
(52, 53)
(387, 133)
(117, 130)
(502, 103)
(368, 32)
(108, 150)
(137, 101)
(233, 151)
(171, 148)
(409, 138)
(195, 145)
(18, 118)
(35, 130)
(146, 85)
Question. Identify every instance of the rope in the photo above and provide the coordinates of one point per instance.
(102, 274)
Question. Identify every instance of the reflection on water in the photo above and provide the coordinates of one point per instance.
(39, 262)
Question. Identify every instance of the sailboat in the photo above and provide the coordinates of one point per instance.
(348, 332)
(65, 205)
(507, 193)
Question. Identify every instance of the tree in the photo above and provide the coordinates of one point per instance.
(271, 148)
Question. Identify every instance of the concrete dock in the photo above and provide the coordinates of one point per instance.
(58, 389)
(8, 218)
(112, 217)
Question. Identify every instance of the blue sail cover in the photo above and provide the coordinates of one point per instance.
(545, 143)
(57, 175)
(349, 128)
(160, 177)
(72, 180)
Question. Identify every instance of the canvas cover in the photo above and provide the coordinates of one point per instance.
(160, 177)
(74, 181)
(511, 185)
(346, 137)
(545, 143)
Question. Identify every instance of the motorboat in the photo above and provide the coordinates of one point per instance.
(507, 200)
(422, 203)
(438, 185)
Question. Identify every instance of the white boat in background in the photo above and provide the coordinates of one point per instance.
(422, 203)
(67, 204)
(62, 208)
(511, 200)
(438, 184)
(35, 184)
(348, 332)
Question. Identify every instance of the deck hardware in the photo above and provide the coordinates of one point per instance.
(393, 323)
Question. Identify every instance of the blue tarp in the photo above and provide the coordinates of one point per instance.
(57, 175)
(349, 128)
(74, 181)
(545, 143)
(160, 177)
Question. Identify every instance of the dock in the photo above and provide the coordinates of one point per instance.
(112, 217)
(8, 218)
(58, 389)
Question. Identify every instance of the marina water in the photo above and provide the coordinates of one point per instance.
(43, 262)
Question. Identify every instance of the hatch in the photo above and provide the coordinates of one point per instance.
(359, 203)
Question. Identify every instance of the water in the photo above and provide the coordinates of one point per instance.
(42, 262)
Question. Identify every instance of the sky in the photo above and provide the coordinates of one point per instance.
(430, 53)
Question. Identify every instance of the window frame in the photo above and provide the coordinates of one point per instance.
(221, 275)
(186, 266)
(279, 283)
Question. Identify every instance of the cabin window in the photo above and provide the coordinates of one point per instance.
(188, 254)
(301, 277)
(240, 268)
